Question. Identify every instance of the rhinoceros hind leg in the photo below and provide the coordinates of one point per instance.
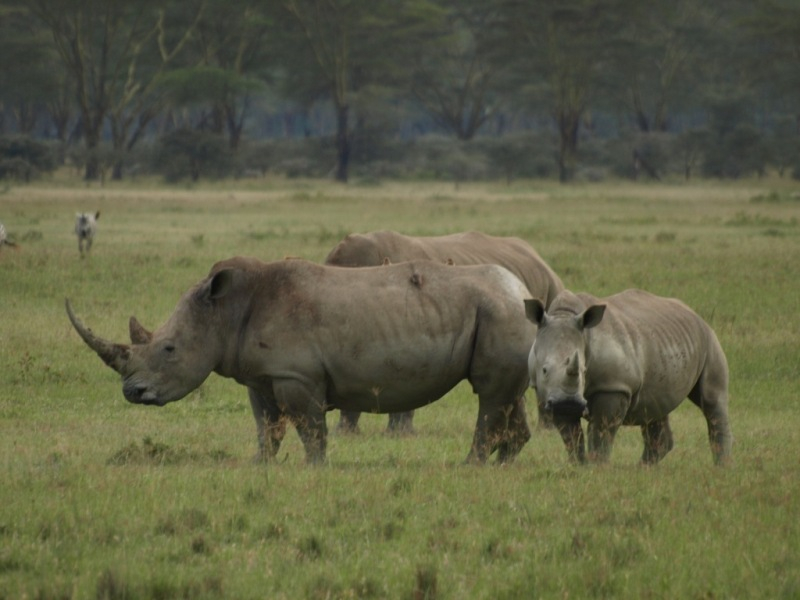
(658, 440)
(348, 422)
(401, 423)
(516, 435)
(711, 395)
(490, 431)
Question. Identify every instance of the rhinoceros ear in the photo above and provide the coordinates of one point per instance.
(591, 316)
(534, 310)
(217, 286)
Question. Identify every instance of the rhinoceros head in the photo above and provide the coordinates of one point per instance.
(165, 365)
(557, 361)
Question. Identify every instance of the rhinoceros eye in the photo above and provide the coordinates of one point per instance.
(169, 348)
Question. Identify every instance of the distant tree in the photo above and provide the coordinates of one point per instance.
(231, 50)
(454, 74)
(688, 147)
(114, 52)
(771, 32)
(336, 48)
(784, 144)
(191, 154)
(22, 158)
(557, 48)
(27, 76)
(735, 147)
(658, 54)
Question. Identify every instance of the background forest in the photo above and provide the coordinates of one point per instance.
(432, 89)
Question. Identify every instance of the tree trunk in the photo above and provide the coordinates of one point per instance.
(234, 125)
(342, 143)
(26, 117)
(92, 137)
(642, 122)
(568, 126)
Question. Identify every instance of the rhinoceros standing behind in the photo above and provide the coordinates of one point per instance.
(468, 248)
(306, 338)
(629, 359)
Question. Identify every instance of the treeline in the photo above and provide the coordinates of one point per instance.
(384, 88)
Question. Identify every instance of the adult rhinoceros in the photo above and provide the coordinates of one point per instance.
(629, 359)
(468, 248)
(306, 338)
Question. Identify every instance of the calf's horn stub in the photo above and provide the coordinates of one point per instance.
(114, 355)
(572, 365)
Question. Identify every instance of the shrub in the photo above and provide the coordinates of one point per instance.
(22, 158)
(187, 153)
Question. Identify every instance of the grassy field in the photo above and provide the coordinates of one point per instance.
(104, 499)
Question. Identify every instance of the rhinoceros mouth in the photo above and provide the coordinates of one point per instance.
(571, 407)
(141, 394)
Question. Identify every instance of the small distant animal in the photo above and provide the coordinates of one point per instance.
(85, 229)
(4, 241)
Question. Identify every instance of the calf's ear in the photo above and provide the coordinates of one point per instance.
(534, 310)
(591, 316)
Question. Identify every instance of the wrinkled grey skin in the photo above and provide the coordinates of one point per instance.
(306, 338)
(468, 248)
(85, 229)
(629, 359)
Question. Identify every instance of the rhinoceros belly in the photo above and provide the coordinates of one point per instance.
(668, 375)
(393, 382)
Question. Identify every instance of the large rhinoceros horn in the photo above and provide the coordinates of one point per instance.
(114, 355)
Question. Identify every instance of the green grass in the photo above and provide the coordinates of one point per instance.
(104, 499)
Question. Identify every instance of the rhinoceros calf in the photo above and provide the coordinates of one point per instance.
(307, 338)
(468, 248)
(629, 359)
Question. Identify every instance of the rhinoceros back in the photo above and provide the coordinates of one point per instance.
(467, 248)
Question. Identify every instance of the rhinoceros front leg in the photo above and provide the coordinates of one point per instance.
(304, 405)
(571, 432)
(401, 423)
(606, 413)
(658, 440)
(348, 421)
(270, 423)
